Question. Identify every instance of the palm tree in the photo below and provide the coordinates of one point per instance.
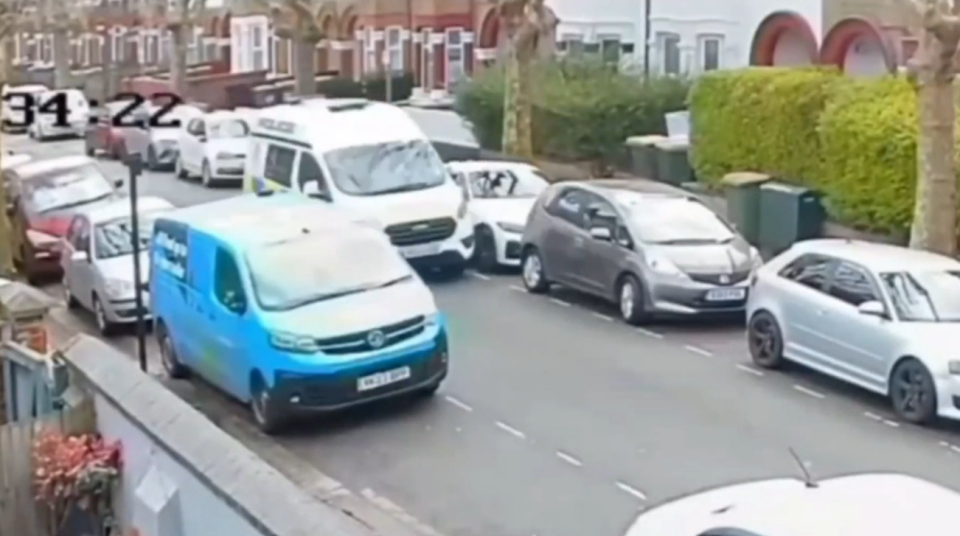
(932, 70)
(526, 23)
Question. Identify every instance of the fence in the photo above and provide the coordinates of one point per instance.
(19, 514)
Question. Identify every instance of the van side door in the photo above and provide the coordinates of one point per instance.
(227, 318)
(278, 168)
(310, 178)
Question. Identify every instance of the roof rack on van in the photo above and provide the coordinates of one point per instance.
(334, 105)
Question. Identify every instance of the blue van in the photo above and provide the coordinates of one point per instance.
(291, 306)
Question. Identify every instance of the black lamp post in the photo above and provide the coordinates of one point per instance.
(646, 39)
(135, 166)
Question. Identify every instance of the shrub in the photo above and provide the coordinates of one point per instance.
(759, 119)
(583, 110)
(868, 138)
(373, 87)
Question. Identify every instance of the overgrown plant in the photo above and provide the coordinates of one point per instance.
(75, 471)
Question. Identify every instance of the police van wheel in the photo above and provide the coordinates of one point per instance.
(168, 354)
(266, 411)
(104, 325)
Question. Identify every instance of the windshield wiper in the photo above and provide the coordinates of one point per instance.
(405, 188)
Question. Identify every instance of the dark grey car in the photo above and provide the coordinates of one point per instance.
(648, 247)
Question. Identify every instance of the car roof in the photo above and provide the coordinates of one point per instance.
(41, 167)
(879, 504)
(120, 208)
(330, 124)
(250, 220)
(877, 256)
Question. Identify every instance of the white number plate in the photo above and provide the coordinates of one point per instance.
(380, 379)
(420, 250)
(726, 294)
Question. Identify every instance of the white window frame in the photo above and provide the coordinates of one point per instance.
(371, 62)
(119, 47)
(166, 41)
(604, 40)
(258, 47)
(451, 74)
(426, 58)
(702, 41)
(194, 48)
(393, 45)
(662, 39)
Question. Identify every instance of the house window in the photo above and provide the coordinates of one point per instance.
(193, 47)
(259, 56)
(709, 52)
(571, 45)
(610, 49)
(76, 51)
(669, 53)
(46, 49)
(96, 50)
(165, 44)
(370, 59)
(118, 48)
(395, 49)
(455, 61)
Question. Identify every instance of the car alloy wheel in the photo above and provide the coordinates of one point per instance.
(628, 296)
(765, 341)
(532, 271)
(913, 393)
(103, 325)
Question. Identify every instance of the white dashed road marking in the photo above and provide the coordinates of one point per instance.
(517, 288)
(648, 333)
(955, 448)
(602, 316)
(632, 491)
(891, 424)
(872, 416)
(569, 459)
(511, 430)
(560, 302)
(749, 370)
(698, 350)
(458, 403)
(480, 276)
(809, 392)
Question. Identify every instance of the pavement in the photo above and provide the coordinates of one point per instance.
(559, 420)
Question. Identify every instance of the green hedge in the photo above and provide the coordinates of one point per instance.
(760, 119)
(583, 110)
(868, 139)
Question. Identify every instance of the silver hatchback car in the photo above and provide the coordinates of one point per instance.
(650, 248)
(884, 318)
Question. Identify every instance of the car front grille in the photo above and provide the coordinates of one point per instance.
(359, 342)
(421, 232)
(721, 279)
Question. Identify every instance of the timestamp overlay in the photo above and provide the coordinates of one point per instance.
(32, 106)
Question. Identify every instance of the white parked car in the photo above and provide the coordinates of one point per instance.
(45, 125)
(214, 147)
(97, 260)
(501, 196)
(878, 504)
(158, 146)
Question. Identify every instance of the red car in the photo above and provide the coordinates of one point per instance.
(102, 136)
(44, 195)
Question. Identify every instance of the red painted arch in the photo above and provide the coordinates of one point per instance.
(845, 33)
(772, 28)
(489, 30)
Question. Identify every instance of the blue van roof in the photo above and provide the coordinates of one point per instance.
(251, 219)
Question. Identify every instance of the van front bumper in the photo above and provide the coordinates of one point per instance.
(306, 393)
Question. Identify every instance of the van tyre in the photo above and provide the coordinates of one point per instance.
(630, 300)
(104, 325)
(532, 271)
(168, 354)
(485, 253)
(765, 341)
(913, 392)
(267, 412)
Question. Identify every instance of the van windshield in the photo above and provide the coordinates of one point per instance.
(385, 168)
(316, 267)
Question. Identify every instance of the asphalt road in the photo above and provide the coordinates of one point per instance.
(558, 420)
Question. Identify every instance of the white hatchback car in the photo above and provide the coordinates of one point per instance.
(501, 196)
(875, 504)
(214, 147)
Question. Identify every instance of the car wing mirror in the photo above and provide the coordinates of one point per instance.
(872, 308)
(80, 256)
(312, 189)
(601, 233)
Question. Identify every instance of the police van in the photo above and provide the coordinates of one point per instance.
(369, 158)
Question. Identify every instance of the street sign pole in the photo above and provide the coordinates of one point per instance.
(135, 165)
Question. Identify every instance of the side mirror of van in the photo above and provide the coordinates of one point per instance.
(312, 189)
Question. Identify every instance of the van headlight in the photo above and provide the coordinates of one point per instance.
(660, 263)
(118, 289)
(292, 342)
(756, 259)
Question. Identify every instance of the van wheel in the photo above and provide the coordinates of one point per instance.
(168, 354)
(104, 325)
(485, 253)
(266, 411)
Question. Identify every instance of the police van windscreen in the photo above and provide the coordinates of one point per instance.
(386, 168)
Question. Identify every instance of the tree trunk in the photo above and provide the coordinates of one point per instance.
(6, 60)
(7, 243)
(178, 60)
(304, 66)
(934, 225)
(109, 70)
(62, 77)
(517, 120)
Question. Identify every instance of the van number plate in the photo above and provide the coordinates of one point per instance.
(380, 379)
(420, 250)
(726, 294)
